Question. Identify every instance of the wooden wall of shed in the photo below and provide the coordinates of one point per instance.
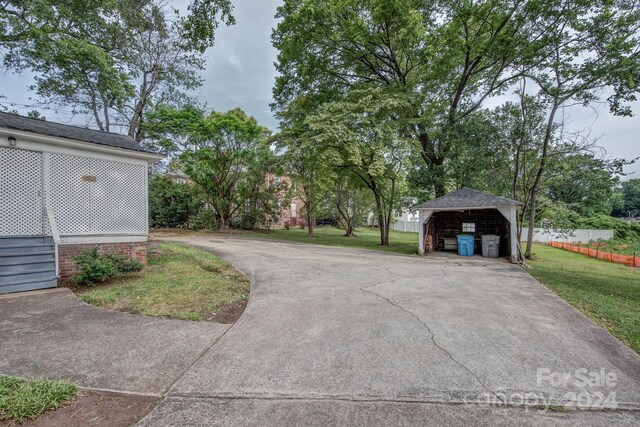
(447, 224)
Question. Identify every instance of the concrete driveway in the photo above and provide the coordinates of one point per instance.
(54, 335)
(337, 336)
(342, 336)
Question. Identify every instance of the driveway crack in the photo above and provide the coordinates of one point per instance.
(366, 289)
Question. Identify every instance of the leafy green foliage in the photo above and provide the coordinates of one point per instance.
(94, 267)
(584, 182)
(110, 59)
(22, 399)
(368, 142)
(630, 194)
(171, 204)
(352, 203)
(446, 59)
(227, 155)
(184, 283)
(198, 29)
(123, 264)
(203, 219)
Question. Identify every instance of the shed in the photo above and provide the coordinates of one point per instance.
(468, 211)
(64, 189)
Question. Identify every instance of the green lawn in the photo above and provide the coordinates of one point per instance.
(26, 399)
(366, 238)
(607, 293)
(180, 282)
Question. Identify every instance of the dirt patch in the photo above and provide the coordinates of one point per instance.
(90, 408)
(230, 313)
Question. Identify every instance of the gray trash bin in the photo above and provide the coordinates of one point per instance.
(490, 246)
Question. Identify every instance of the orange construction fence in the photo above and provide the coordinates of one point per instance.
(630, 260)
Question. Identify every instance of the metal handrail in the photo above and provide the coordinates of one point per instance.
(54, 233)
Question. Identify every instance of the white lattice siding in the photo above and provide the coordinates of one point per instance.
(118, 197)
(20, 192)
(92, 196)
(68, 195)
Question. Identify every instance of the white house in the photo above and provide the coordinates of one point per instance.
(64, 189)
(470, 212)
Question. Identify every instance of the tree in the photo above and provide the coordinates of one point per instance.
(352, 201)
(110, 59)
(585, 183)
(226, 154)
(630, 191)
(450, 56)
(362, 129)
(591, 47)
(310, 168)
(170, 204)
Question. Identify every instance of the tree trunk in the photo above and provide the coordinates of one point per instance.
(534, 188)
(309, 216)
(384, 239)
(349, 229)
(532, 221)
(385, 233)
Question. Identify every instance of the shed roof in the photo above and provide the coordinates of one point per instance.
(467, 198)
(17, 122)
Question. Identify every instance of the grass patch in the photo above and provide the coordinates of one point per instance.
(180, 282)
(366, 238)
(22, 399)
(607, 293)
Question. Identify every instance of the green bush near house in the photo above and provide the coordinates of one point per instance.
(22, 399)
(124, 264)
(180, 282)
(94, 267)
(171, 204)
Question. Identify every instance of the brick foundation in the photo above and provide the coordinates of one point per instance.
(67, 253)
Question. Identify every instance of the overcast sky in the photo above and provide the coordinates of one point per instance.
(240, 73)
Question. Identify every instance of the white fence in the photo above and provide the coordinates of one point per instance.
(410, 226)
(539, 234)
(575, 236)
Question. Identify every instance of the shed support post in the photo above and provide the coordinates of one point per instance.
(423, 217)
(513, 235)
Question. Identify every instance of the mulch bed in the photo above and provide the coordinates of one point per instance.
(91, 408)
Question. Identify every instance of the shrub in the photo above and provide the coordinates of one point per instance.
(93, 268)
(245, 221)
(203, 220)
(171, 204)
(124, 264)
(287, 224)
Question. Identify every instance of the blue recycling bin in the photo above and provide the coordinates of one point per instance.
(465, 244)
